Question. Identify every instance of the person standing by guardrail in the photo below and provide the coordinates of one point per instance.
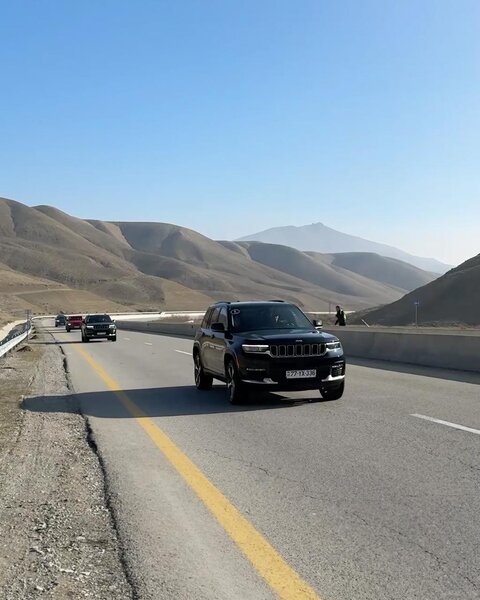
(341, 318)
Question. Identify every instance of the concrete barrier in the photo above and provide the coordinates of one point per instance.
(175, 329)
(445, 349)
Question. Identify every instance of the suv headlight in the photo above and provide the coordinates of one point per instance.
(90, 327)
(255, 348)
(333, 346)
(112, 326)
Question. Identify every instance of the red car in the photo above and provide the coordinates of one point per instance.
(74, 322)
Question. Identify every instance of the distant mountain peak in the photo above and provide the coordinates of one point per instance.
(318, 237)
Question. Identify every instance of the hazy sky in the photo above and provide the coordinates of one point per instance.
(232, 117)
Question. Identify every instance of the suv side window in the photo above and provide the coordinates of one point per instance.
(223, 317)
(214, 317)
(206, 318)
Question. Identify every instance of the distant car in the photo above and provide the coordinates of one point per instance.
(73, 322)
(60, 320)
(99, 327)
(269, 346)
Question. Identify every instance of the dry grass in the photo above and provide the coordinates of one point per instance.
(5, 318)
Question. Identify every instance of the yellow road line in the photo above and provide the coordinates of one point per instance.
(266, 560)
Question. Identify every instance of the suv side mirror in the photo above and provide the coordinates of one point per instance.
(317, 323)
(218, 327)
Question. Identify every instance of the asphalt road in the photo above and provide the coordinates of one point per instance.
(353, 499)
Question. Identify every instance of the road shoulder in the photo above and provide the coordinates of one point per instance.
(58, 536)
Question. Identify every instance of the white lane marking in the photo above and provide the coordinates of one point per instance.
(183, 352)
(127, 339)
(148, 343)
(448, 424)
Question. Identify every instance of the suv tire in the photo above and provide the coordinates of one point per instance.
(236, 391)
(202, 380)
(333, 394)
(113, 339)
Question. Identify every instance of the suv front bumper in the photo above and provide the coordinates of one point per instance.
(271, 373)
(105, 335)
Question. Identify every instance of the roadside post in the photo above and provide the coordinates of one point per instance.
(416, 304)
(28, 316)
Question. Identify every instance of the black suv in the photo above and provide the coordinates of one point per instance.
(60, 320)
(98, 327)
(266, 346)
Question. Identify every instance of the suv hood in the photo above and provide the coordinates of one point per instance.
(289, 336)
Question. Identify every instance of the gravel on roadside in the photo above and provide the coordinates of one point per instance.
(57, 535)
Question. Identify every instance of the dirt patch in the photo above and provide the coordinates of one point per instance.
(5, 318)
(57, 536)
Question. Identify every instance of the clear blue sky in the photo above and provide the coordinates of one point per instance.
(231, 117)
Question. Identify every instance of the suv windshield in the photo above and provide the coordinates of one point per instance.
(268, 316)
(98, 319)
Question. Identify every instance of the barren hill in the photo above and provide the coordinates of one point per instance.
(20, 292)
(149, 266)
(320, 269)
(453, 298)
(347, 273)
(386, 270)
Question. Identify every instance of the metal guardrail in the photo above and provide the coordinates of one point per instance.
(15, 337)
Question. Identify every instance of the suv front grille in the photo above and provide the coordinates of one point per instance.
(287, 351)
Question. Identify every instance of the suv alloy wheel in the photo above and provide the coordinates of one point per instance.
(236, 392)
(202, 380)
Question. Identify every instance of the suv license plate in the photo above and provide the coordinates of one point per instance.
(301, 374)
